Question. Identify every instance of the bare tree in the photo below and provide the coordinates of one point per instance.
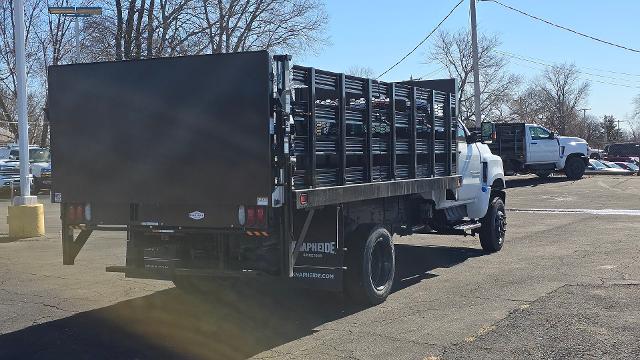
(361, 71)
(562, 92)
(159, 28)
(54, 36)
(527, 106)
(634, 123)
(497, 85)
(589, 128)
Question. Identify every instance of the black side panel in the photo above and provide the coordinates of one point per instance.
(185, 131)
(624, 149)
(510, 144)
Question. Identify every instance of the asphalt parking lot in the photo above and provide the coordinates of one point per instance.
(566, 285)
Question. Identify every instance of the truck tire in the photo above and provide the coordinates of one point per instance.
(370, 264)
(574, 168)
(494, 225)
(544, 174)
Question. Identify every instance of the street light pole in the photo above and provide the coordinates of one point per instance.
(476, 70)
(76, 35)
(75, 12)
(25, 197)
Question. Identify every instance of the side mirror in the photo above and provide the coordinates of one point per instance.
(487, 132)
(552, 135)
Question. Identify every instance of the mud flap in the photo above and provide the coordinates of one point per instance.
(320, 259)
(318, 278)
(161, 261)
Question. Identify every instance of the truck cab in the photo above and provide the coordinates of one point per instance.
(531, 148)
(481, 171)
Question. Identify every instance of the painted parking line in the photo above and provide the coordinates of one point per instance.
(581, 211)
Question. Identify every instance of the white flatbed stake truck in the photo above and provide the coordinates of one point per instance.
(243, 165)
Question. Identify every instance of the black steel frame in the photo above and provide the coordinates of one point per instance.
(443, 157)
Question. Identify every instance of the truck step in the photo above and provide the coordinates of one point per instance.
(468, 226)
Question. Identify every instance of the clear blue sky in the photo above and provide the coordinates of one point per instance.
(377, 33)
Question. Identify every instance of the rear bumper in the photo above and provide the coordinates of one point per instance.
(169, 274)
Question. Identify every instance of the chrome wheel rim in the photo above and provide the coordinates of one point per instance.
(381, 264)
(500, 224)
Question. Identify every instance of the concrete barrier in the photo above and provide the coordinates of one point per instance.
(26, 221)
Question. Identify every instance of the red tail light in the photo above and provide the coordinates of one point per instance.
(70, 213)
(251, 216)
(260, 215)
(256, 216)
(76, 213)
(79, 213)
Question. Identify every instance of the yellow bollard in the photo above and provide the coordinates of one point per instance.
(26, 221)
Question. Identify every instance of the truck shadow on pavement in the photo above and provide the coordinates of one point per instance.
(517, 182)
(234, 323)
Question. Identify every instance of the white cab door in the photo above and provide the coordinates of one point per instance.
(469, 167)
(542, 148)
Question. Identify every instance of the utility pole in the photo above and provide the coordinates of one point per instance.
(618, 130)
(584, 113)
(76, 40)
(476, 70)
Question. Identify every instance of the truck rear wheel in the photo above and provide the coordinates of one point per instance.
(494, 226)
(370, 264)
(574, 168)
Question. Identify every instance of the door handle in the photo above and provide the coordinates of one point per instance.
(534, 143)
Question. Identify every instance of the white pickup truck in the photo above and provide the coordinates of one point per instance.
(530, 148)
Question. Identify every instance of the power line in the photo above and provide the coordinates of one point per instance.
(565, 28)
(542, 62)
(582, 72)
(441, 68)
(583, 67)
(421, 42)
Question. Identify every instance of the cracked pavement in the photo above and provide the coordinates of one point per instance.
(564, 286)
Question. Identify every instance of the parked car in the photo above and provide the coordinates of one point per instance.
(9, 152)
(597, 154)
(611, 165)
(9, 174)
(628, 166)
(597, 167)
(39, 167)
